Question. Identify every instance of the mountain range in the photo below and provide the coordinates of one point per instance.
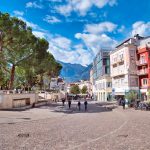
(75, 72)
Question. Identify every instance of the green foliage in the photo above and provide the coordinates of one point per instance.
(23, 56)
(75, 89)
(84, 89)
(148, 94)
(131, 95)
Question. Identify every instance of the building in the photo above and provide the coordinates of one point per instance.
(86, 83)
(100, 76)
(103, 88)
(123, 67)
(57, 84)
(143, 65)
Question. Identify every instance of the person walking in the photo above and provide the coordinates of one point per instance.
(85, 104)
(63, 101)
(69, 103)
(123, 103)
(79, 104)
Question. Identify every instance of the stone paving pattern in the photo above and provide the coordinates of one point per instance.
(97, 129)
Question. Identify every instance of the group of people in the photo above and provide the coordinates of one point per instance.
(78, 104)
(85, 105)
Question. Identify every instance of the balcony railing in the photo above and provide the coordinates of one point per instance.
(140, 63)
(142, 72)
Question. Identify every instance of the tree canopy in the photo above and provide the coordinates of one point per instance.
(23, 56)
(75, 89)
(84, 89)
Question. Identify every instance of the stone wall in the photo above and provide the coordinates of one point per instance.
(17, 100)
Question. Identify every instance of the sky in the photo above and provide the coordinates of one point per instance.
(77, 29)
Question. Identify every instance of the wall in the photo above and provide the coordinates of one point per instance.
(7, 102)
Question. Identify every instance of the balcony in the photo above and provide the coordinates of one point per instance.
(141, 63)
(142, 72)
(120, 59)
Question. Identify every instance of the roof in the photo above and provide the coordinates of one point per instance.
(123, 42)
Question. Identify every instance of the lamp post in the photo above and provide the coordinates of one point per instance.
(1, 35)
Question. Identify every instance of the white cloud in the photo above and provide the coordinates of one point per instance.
(62, 42)
(39, 34)
(142, 28)
(30, 24)
(18, 13)
(74, 56)
(121, 29)
(51, 19)
(100, 28)
(63, 50)
(55, 0)
(33, 5)
(96, 42)
(83, 6)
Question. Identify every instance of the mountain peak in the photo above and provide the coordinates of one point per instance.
(74, 72)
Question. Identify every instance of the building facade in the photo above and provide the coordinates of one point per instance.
(123, 68)
(104, 88)
(101, 75)
(143, 66)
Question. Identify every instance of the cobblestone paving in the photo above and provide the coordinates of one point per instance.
(97, 129)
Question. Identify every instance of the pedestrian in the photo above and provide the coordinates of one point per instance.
(63, 101)
(79, 104)
(85, 104)
(123, 103)
(69, 103)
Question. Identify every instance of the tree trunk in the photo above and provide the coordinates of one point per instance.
(41, 82)
(12, 77)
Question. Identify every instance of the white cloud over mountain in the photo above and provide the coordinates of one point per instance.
(65, 51)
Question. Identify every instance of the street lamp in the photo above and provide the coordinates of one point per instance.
(1, 35)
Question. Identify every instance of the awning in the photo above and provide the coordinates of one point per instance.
(119, 93)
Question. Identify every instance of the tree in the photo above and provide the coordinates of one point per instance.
(23, 56)
(84, 89)
(75, 89)
(131, 96)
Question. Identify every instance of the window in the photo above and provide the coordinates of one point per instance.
(107, 70)
(145, 81)
(142, 59)
(108, 84)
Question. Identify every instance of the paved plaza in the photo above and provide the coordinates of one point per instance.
(102, 127)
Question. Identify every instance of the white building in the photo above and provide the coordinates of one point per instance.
(104, 88)
(83, 83)
(123, 67)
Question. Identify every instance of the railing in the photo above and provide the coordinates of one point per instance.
(142, 72)
(140, 63)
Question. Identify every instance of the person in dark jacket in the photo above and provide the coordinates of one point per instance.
(63, 101)
(85, 104)
(123, 103)
(69, 103)
(79, 104)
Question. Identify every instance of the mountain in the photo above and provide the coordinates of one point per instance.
(74, 72)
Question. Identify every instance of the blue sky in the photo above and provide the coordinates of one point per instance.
(77, 29)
